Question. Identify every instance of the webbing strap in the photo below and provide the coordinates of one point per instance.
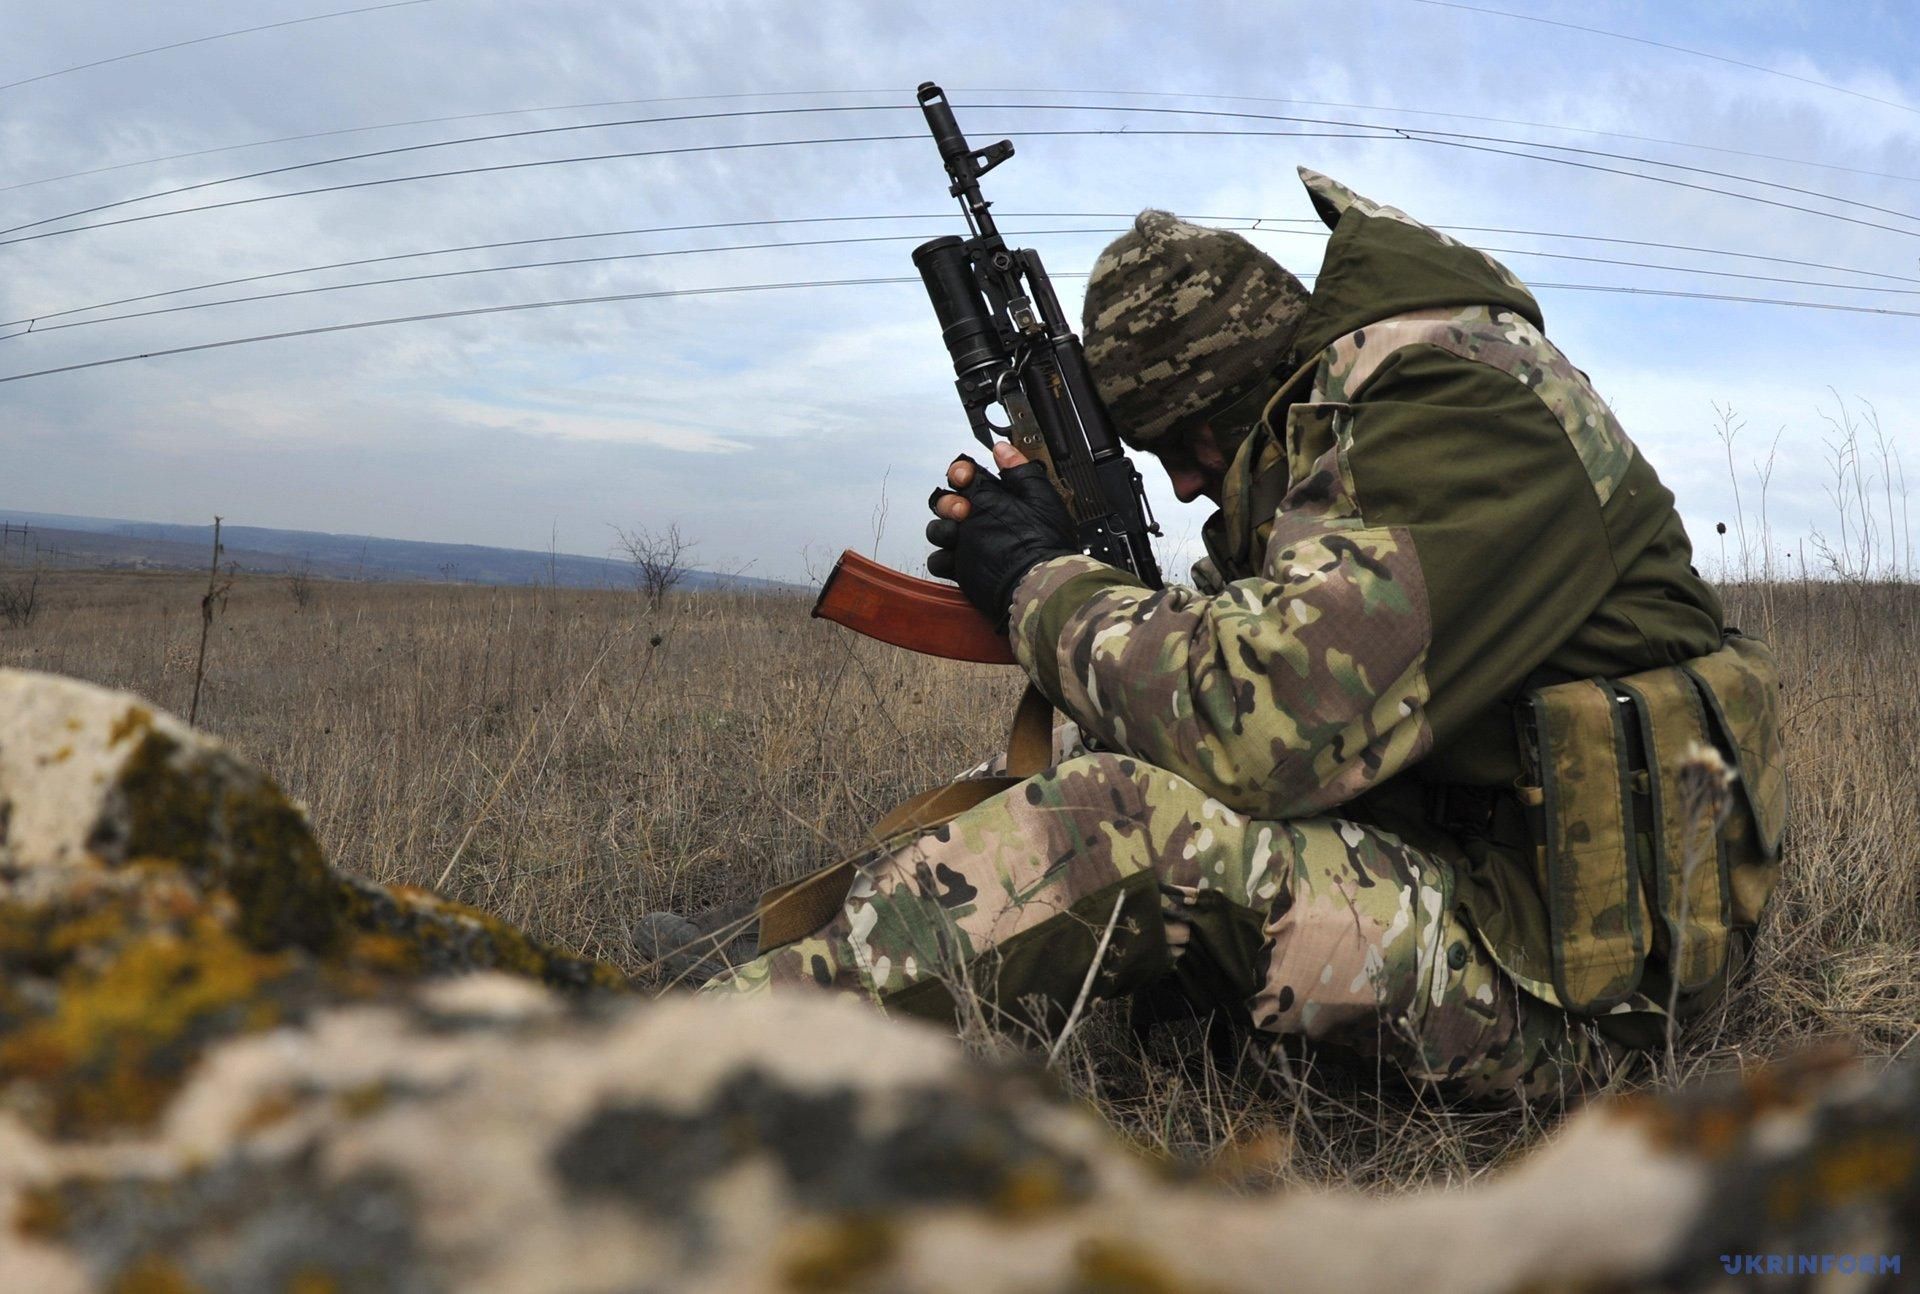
(1030, 739)
(798, 908)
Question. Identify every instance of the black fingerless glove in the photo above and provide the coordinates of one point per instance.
(1018, 521)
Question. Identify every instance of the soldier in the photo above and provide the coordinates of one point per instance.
(1430, 764)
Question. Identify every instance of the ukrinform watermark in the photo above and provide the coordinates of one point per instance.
(1810, 1264)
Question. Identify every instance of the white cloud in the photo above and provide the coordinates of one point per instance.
(549, 422)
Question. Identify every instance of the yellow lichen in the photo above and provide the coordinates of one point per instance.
(100, 928)
(137, 719)
(1120, 1267)
(312, 1281)
(1868, 1165)
(831, 1256)
(365, 1099)
(223, 823)
(151, 1274)
(267, 1110)
(388, 953)
(111, 1052)
(170, 814)
(410, 931)
(1030, 1191)
(40, 1214)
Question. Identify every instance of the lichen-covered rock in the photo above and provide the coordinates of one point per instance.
(479, 1136)
(224, 1068)
(157, 894)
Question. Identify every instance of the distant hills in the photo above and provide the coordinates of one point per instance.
(104, 542)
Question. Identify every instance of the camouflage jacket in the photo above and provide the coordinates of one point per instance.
(1446, 514)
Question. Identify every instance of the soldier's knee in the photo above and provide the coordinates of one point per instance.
(1355, 938)
(1326, 975)
(1118, 786)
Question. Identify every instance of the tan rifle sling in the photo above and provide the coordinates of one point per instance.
(799, 908)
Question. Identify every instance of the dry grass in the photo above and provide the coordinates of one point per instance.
(567, 760)
(583, 759)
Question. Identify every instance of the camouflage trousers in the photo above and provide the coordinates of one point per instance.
(1109, 872)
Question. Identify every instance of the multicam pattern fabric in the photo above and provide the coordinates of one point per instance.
(1263, 695)
(1282, 696)
(1360, 948)
(1181, 319)
(1369, 954)
(1334, 199)
(1509, 343)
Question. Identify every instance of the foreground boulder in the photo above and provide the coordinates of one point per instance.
(225, 1067)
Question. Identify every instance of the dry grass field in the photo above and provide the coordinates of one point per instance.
(568, 760)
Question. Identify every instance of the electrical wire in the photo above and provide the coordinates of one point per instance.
(449, 143)
(1118, 94)
(202, 40)
(1419, 133)
(37, 328)
(430, 121)
(1463, 116)
(1678, 49)
(1688, 184)
(829, 283)
(511, 242)
(1251, 224)
(461, 314)
(919, 136)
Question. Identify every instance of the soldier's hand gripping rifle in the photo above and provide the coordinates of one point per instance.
(1013, 349)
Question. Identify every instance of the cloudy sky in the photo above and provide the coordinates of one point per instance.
(777, 427)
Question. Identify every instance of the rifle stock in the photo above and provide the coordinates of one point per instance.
(920, 615)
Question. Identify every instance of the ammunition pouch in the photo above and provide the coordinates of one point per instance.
(1642, 852)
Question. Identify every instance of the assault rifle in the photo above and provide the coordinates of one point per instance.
(1013, 349)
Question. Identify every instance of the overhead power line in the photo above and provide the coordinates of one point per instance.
(1469, 116)
(517, 242)
(461, 314)
(825, 283)
(526, 265)
(400, 149)
(1247, 224)
(687, 150)
(1698, 188)
(1420, 134)
(1118, 94)
(1678, 49)
(38, 326)
(431, 121)
(202, 40)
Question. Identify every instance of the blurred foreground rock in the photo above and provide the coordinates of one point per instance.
(225, 1067)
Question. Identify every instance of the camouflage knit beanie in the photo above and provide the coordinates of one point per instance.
(1181, 322)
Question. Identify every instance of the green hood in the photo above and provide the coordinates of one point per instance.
(1380, 262)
